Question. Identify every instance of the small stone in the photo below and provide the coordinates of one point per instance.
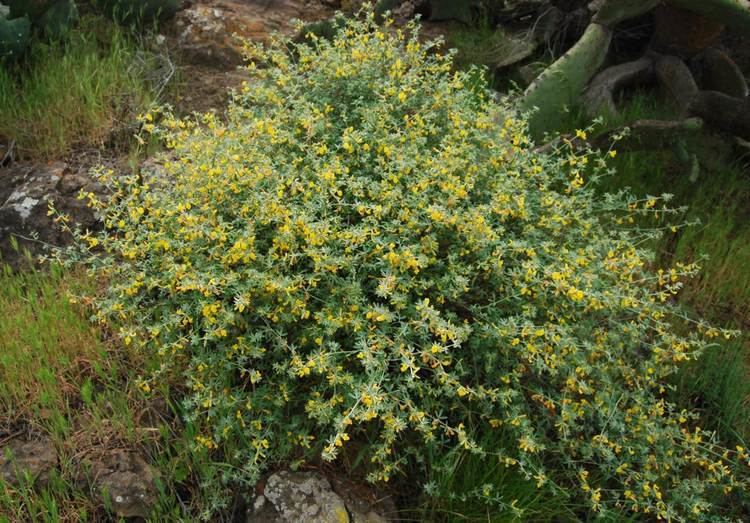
(127, 481)
(71, 183)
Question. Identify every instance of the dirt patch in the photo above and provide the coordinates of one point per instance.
(204, 89)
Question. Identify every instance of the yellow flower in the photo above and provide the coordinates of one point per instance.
(528, 445)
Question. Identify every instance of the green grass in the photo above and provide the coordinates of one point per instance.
(485, 45)
(716, 193)
(464, 487)
(640, 105)
(476, 45)
(717, 385)
(44, 341)
(58, 379)
(61, 377)
(716, 190)
(719, 199)
(65, 379)
(78, 92)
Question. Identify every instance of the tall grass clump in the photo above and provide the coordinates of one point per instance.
(74, 91)
(369, 254)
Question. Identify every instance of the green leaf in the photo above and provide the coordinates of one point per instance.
(14, 37)
(59, 18)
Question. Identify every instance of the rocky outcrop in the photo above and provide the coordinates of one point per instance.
(24, 195)
(210, 33)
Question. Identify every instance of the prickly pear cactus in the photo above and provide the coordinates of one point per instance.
(14, 37)
(138, 12)
(58, 19)
(53, 17)
(460, 10)
(31, 8)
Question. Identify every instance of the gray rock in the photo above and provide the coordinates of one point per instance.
(728, 113)
(24, 194)
(301, 496)
(124, 480)
(33, 458)
(262, 511)
(529, 72)
(514, 48)
(291, 497)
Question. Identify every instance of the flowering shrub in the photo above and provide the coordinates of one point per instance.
(368, 249)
